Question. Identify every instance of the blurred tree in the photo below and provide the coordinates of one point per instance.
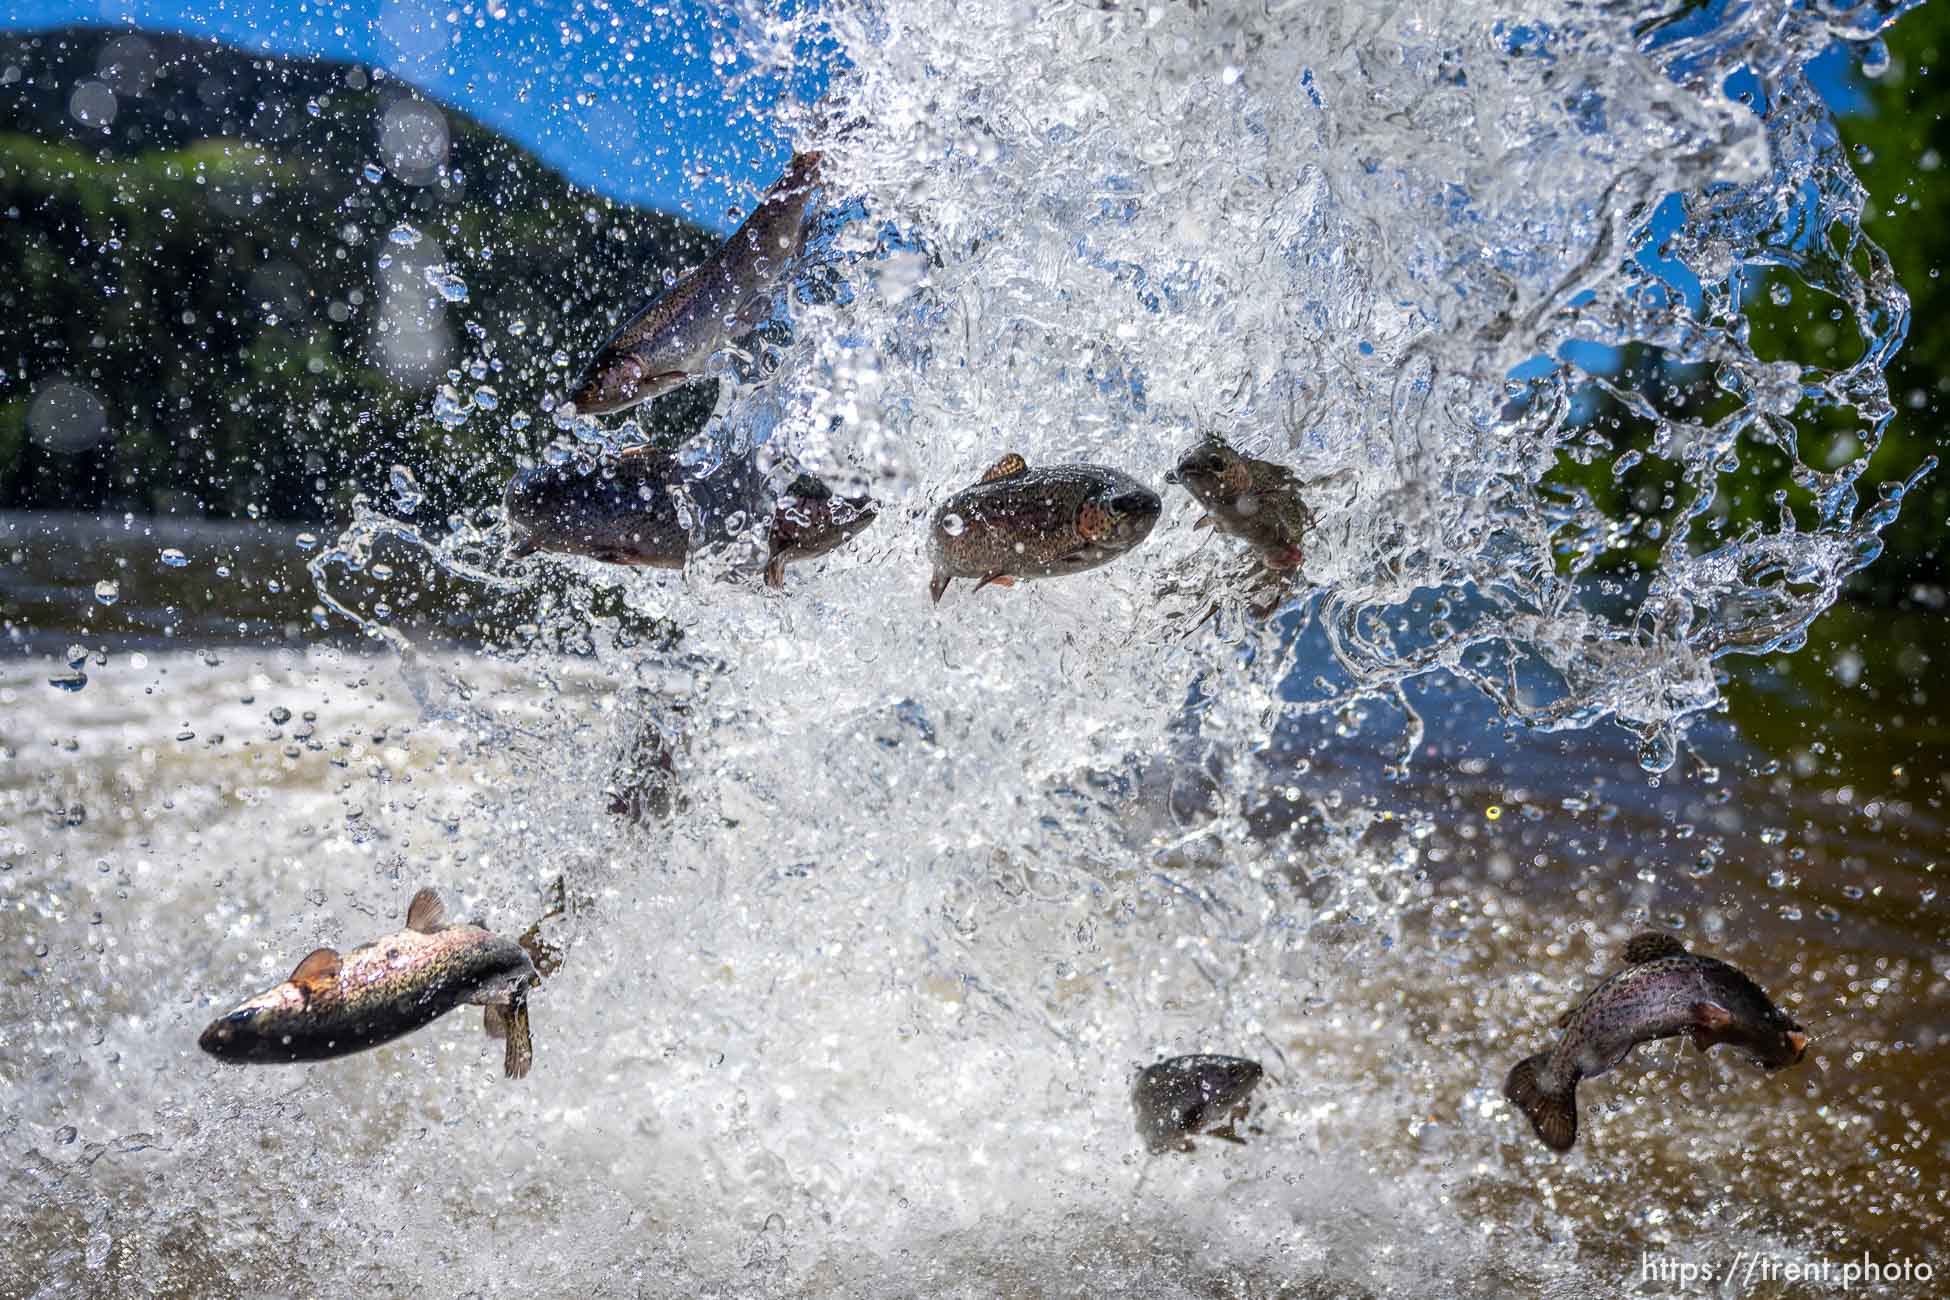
(238, 285)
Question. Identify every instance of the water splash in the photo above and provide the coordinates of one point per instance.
(939, 878)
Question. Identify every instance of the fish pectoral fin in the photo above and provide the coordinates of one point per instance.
(1204, 521)
(520, 1055)
(425, 913)
(494, 1021)
(1651, 946)
(775, 573)
(1009, 466)
(1710, 1018)
(319, 968)
(938, 584)
(998, 579)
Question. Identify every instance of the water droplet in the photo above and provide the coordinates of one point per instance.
(307, 541)
(280, 715)
(174, 558)
(66, 1134)
(486, 398)
(71, 681)
(518, 327)
(1658, 750)
(373, 173)
(108, 591)
(1494, 812)
(1779, 294)
(450, 408)
(404, 235)
(406, 490)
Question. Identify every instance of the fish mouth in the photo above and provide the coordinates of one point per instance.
(220, 1038)
(1797, 1043)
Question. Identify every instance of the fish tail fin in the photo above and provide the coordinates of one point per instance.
(775, 573)
(521, 1047)
(494, 1021)
(1553, 1114)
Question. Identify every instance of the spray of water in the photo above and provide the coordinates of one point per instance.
(858, 1013)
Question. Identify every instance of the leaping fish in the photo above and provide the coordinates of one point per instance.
(1664, 991)
(336, 1004)
(671, 338)
(1019, 522)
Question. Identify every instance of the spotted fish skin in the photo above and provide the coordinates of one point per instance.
(1020, 522)
(1257, 501)
(334, 1005)
(809, 520)
(671, 339)
(625, 511)
(1663, 992)
(1184, 1095)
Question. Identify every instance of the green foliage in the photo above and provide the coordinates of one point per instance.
(1898, 149)
(213, 274)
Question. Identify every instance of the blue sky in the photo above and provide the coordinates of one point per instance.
(622, 95)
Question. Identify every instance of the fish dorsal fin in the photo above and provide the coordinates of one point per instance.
(810, 487)
(1651, 946)
(1008, 467)
(320, 966)
(426, 911)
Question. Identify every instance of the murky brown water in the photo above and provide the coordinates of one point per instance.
(1804, 844)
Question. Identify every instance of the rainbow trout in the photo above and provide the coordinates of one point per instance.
(334, 1004)
(627, 511)
(1664, 992)
(670, 340)
(809, 520)
(1184, 1095)
(1019, 522)
(1257, 501)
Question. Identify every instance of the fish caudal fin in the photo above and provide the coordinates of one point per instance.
(775, 573)
(1553, 1114)
(521, 1047)
(494, 1021)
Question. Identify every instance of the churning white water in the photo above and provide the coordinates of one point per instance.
(860, 1016)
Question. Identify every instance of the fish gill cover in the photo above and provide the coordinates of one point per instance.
(855, 1008)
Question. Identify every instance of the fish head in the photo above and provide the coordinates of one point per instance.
(1783, 1043)
(617, 380)
(1118, 516)
(812, 525)
(1210, 471)
(1228, 1080)
(254, 1029)
(623, 517)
